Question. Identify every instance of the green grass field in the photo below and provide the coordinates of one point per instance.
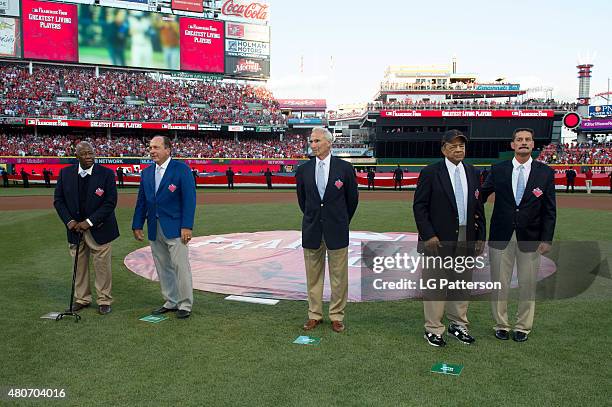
(231, 353)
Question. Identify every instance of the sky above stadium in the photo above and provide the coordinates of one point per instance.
(345, 46)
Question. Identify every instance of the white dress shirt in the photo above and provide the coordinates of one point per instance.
(515, 173)
(162, 168)
(464, 185)
(327, 161)
(83, 172)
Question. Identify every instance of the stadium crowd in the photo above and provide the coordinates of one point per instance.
(151, 98)
(577, 153)
(292, 146)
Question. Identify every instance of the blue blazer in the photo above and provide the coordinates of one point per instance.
(533, 219)
(101, 202)
(328, 217)
(174, 203)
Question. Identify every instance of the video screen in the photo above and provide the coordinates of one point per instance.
(202, 43)
(49, 31)
(10, 38)
(119, 37)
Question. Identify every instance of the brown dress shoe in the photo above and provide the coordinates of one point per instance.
(338, 326)
(77, 306)
(311, 324)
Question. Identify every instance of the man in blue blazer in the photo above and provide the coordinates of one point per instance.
(167, 200)
(85, 200)
(522, 229)
(328, 196)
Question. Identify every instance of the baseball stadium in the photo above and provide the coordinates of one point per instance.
(106, 80)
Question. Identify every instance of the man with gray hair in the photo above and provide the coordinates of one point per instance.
(328, 197)
(85, 200)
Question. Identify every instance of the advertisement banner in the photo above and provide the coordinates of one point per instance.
(468, 113)
(10, 40)
(202, 43)
(498, 87)
(134, 38)
(600, 111)
(247, 67)
(303, 104)
(249, 32)
(310, 120)
(111, 124)
(209, 127)
(9, 8)
(188, 5)
(50, 31)
(596, 125)
(240, 48)
(245, 10)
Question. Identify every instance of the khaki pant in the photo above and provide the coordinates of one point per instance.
(502, 267)
(314, 260)
(171, 258)
(101, 259)
(456, 310)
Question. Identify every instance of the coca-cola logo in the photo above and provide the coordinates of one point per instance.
(247, 65)
(252, 11)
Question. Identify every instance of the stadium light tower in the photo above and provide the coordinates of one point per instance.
(584, 87)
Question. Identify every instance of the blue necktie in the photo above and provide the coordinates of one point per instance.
(158, 177)
(321, 179)
(520, 185)
(459, 197)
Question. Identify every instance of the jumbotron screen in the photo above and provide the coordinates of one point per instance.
(119, 37)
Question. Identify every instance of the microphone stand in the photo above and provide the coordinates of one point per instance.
(69, 312)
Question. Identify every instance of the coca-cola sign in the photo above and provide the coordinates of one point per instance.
(251, 11)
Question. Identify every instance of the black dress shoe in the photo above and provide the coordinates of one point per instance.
(518, 336)
(502, 334)
(77, 306)
(183, 313)
(104, 309)
(460, 333)
(163, 310)
(434, 340)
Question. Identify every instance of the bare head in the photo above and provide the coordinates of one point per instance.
(320, 142)
(85, 154)
(160, 148)
(522, 144)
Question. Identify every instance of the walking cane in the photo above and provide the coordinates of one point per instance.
(76, 316)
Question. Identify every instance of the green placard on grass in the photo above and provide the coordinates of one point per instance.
(154, 319)
(307, 340)
(447, 368)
